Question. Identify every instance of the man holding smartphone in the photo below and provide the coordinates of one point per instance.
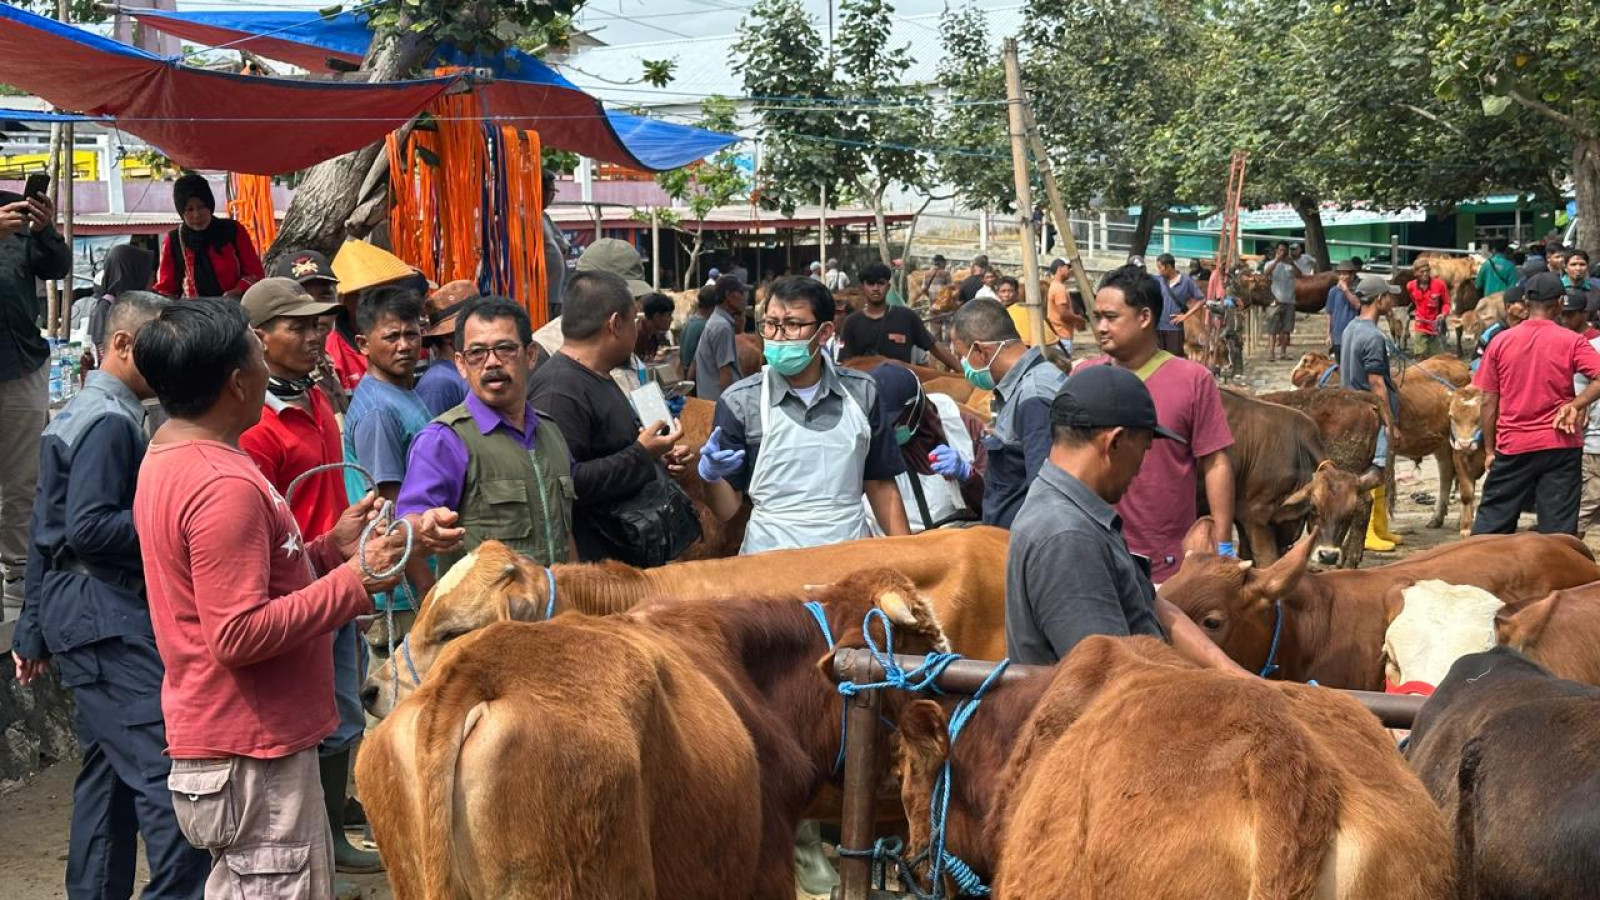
(30, 250)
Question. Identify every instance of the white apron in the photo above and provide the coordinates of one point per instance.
(806, 487)
(942, 494)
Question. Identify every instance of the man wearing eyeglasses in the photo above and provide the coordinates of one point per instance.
(493, 459)
(802, 438)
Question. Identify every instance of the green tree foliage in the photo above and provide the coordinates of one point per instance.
(844, 119)
(971, 128)
(705, 185)
(1511, 57)
(1105, 78)
(1330, 98)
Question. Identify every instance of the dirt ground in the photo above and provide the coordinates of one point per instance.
(36, 811)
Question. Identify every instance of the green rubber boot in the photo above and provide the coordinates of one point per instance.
(812, 871)
(347, 857)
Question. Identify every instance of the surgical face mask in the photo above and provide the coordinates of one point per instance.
(904, 433)
(981, 379)
(789, 357)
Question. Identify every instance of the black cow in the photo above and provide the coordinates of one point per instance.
(1512, 755)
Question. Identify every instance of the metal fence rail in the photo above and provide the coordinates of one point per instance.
(861, 775)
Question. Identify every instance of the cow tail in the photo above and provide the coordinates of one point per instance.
(441, 732)
(1466, 820)
(1296, 815)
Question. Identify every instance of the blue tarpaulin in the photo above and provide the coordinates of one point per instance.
(524, 87)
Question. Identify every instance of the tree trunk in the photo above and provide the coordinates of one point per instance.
(1149, 214)
(1586, 184)
(903, 274)
(328, 196)
(1310, 212)
(691, 272)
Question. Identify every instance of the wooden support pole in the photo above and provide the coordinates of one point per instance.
(856, 827)
(1019, 170)
(1058, 209)
(61, 321)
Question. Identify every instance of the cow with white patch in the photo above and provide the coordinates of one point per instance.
(1438, 624)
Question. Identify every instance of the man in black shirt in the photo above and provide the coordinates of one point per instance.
(613, 459)
(973, 283)
(883, 330)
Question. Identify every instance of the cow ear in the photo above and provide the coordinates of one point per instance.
(1200, 539)
(1298, 503)
(1521, 628)
(1279, 578)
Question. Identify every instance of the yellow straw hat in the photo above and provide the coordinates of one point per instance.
(359, 265)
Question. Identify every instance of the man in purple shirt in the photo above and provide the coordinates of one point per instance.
(493, 459)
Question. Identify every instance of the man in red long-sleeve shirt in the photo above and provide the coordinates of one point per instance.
(243, 610)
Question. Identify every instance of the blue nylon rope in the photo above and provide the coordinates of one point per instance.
(1271, 666)
(942, 861)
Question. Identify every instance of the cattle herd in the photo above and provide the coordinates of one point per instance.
(599, 731)
(664, 732)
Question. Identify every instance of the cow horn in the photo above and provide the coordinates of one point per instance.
(1244, 564)
(895, 607)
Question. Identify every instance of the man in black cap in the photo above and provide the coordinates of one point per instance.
(1069, 573)
(314, 273)
(1532, 423)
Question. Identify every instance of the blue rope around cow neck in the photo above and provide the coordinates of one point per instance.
(405, 642)
(917, 680)
(1271, 666)
(967, 882)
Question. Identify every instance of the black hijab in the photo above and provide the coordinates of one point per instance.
(128, 268)
(220, 233)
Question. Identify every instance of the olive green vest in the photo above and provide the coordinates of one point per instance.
(519, 497)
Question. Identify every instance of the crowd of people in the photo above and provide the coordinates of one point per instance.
(190, 537)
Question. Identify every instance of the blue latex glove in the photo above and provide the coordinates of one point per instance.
(945, 461)
(1225, 548)
(717, 463)
(675, 405)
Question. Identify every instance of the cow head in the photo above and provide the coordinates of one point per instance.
(491, 584)
(1434, 625)
(1466, 420)
(1330, 503)
(1252, 288)
(1232, 601)
(1308, 371)
(849, 601)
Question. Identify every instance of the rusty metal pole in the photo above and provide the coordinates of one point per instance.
(1019, 171)
(856, 827)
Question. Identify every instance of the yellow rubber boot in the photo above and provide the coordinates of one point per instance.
(1380, 501)
(1377, 523)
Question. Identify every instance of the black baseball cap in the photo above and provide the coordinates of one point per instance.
(1575, 300)
(1543, 287)
(304, 266)
(1106, 396)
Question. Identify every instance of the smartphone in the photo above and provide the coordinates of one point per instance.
(38, 185)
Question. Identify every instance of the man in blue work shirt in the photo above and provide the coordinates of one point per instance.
(993, 358)
(85, 605)
(1342, 307)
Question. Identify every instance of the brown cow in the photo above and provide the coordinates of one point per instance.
(1330, 625)
(747, 351)
(956, 388)
(962, 571)
(1560, 632)
(1511, 755)
(924, 374)
(664, 752)
(1304, 792)
(1310, 291)
(1280, 482)
(1348, 423)
(718, 539)
(1466, 449)
(1309, 370)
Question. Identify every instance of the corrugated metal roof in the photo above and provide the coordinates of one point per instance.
(703, 67)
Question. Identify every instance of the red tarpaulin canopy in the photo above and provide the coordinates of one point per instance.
(203, 119)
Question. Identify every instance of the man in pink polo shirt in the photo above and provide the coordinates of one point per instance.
(1532, 423)
(243, 609)
(1159, 506)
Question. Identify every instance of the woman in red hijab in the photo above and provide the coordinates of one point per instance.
(205, 256)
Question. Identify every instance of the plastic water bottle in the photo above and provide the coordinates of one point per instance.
(55, 370)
